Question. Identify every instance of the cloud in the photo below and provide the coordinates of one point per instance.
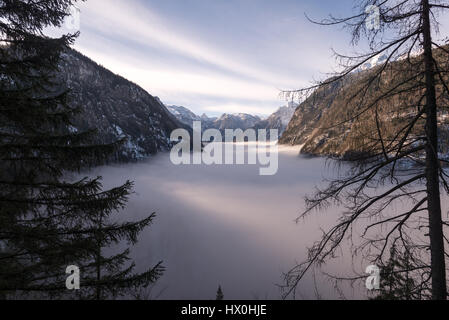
(168, 82)
(134, 21)
(175, 62)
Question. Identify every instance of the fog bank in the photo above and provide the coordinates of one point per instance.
(225, 225)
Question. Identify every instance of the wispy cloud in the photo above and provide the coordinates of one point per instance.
(133, 39)
(134, 21)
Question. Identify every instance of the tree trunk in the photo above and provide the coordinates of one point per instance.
(98, 287)
(438, 268)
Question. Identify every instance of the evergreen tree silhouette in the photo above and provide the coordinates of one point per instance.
(46, 222)
(220, 295)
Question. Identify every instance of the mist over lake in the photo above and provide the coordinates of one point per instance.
(226, 225)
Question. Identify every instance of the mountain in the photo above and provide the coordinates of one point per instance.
(184, 115)
(187, 117)
(226, 121)
(374, 61)
(324, 125)
(117, 108)
(205, 117)
(278, 120)
(235, 121)
(382, 58)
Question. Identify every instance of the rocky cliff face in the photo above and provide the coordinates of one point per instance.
(187, 117)
(303, 128)
(278, 120)
(184, 115)
(117, 108)
(332, 121)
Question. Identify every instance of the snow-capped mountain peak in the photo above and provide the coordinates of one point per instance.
(375, 61)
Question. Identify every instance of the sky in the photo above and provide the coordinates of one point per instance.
(214, 56)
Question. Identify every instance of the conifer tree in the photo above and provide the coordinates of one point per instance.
(48, 222)
(220, 295)
(398, 280)
(394, 107)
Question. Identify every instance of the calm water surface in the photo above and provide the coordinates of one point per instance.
(226, 225)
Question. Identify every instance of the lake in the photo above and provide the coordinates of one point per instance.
(226, 225)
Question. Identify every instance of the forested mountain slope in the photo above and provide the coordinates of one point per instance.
(332, 120)
(117, 108)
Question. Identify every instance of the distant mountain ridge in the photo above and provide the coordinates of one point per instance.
(278, 120)
(235, 121)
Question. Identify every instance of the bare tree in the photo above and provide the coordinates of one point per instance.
(396, 155)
